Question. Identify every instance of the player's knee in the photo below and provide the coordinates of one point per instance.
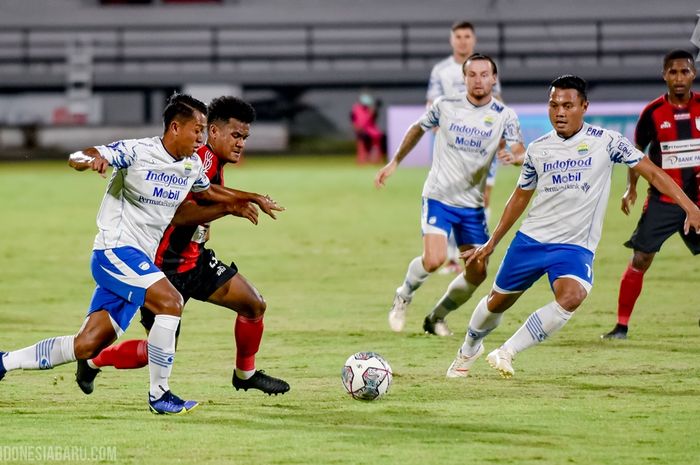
(571, 299)
(254, 308)
(433, 262)
(86, 347)
(169, 304)
(642, 261)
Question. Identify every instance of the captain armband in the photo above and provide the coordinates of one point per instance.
(80, 157)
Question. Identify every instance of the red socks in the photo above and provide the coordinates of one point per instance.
(125, 355)
(630, 288)
(248, 334)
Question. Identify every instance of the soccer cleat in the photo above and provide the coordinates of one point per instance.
(170, 404)
(85, 376)
(438, 327)
(2, 366)
(261, 381)
(397, 314)
(451, 267)
(502, 360)
(462, 363)
(618, 332)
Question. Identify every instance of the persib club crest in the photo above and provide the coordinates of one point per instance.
(582, 149)
(188, 167)
(488, 121)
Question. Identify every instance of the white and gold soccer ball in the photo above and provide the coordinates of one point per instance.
(366, 376)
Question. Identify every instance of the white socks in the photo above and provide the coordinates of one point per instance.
(481, 324)
(539, 326)
(415, 277)
(161, 353)
(43, 355)
(458, 292)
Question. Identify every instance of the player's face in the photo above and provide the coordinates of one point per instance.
(479, 79)
(566, 110)
(679, 76)
(189, 134)
(228, 140)
(463, 42)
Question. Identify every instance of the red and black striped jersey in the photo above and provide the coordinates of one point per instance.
(181, 246)
(661, 122)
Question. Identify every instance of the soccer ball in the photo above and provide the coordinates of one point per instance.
(366, 376)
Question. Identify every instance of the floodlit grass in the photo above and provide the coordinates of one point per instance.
(328, 268)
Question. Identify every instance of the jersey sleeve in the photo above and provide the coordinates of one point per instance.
(621, 150)
(528, 174)
(435, 88)
(202, 183)
(511, 130)
(120, 154)
(644, 132)
(431, 118)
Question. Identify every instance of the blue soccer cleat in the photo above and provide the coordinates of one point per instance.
(2, 366)
(170, 404)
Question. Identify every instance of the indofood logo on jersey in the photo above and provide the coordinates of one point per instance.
(166, 180)
(469, 136)
(569, 170)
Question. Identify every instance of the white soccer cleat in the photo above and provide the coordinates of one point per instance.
(462, 363)
(502, 360)
(397, 314)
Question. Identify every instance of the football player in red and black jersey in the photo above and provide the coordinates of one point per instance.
(195, 271)
(670, 128)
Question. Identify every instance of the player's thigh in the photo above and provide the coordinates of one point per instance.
(434, 250)
(658, 222)
(573, 264)
(569, 293)
(498, 302)
(163, 299)
(239, 295)
(521, 266)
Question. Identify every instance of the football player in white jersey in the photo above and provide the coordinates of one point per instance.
(447, 79)
(150, 180)
(570, 168)
(470, 128)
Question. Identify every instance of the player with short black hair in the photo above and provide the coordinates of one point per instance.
(150, 180)
(668, 127)
(570, 169)
(195, 271)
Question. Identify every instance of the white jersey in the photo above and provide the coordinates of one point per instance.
(572, 177)
(146, 188)
(446, 79)
(465, 145)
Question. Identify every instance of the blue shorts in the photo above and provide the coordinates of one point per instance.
(527, 260)
(468, 224)
(122, 275)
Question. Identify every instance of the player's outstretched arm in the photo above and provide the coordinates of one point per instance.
(266, 203)
(410, 139)
(215, 196)
(516, 205)
(630, 195)
(189, 213)
(663, 182)
(88, 158)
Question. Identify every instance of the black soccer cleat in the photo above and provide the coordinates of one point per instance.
(85, 376)
(262, 382)
(618, 332)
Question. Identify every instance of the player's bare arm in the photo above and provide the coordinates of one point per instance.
(237, 207)
(630, 195)
(189, 213)
(88, 158)
(266, 203)
(515, 155)
(663, 182)
(516, 205)
(410, 139)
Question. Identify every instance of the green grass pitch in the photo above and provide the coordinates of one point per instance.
(328, 268)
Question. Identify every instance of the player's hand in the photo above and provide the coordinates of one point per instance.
(384, 173)
(100, 165)
(477, 254)
(269, 206)
(506, 157)
(244, 209)
(628, 199)
(692, 220)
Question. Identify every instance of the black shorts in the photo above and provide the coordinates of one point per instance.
(199, 283)
(659, 221)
